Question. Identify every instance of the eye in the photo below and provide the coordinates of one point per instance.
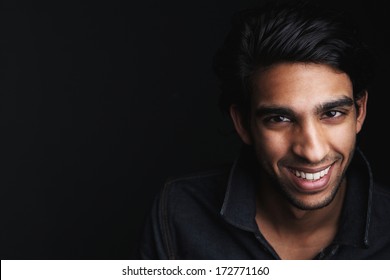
(333, 114)
(278, 119)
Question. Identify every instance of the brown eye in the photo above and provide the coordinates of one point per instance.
(333, 114)
(278, 119)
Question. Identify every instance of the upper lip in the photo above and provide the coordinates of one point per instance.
(310, 170)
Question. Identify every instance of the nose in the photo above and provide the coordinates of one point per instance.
(310, 142)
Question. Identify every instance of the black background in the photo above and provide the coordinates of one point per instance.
(101, 101)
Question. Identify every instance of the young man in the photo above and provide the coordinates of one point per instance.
(294, 80)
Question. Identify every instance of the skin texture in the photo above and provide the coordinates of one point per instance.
(302, 119)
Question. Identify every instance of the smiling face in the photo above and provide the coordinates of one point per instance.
(303, 126)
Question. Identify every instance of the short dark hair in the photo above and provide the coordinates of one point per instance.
(289, 32)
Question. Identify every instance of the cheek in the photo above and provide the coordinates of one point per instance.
(343, 137)
(270, 147)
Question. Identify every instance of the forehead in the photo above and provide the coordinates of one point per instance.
(299, 85)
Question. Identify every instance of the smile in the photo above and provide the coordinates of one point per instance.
(311, 176)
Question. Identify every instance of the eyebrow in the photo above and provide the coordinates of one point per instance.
(285, 111)
(342, 102)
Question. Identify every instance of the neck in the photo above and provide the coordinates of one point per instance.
(275, 211)
(296, 233)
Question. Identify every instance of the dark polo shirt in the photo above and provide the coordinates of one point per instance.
(211, 215)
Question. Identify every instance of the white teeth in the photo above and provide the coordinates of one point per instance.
(312, 176)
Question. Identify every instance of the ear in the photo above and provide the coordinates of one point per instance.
(239, 124)
(362, 111)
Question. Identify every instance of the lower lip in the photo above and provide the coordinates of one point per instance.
(310, 186)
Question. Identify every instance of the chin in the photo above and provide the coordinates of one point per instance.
(312, 203)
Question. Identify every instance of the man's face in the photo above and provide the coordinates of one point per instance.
(303, 126)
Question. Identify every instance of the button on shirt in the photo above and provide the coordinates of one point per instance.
(211, 215)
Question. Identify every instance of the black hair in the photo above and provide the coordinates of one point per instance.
(295, 31)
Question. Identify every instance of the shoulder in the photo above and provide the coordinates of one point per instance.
(381, 204)
(205, 185)
(192, 196)
(380, 222)
(200, 178)
(381, 191)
